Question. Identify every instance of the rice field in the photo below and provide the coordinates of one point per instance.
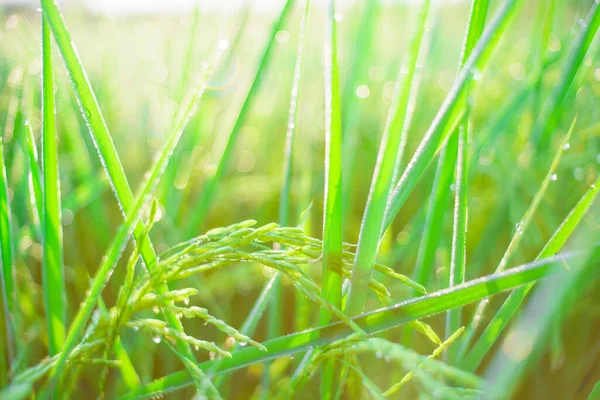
(316, 199)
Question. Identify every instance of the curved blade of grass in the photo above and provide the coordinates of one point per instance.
(550, 114)
(512, 304)
(7, 296)
(372, 223)
(52, 265)
(93, 117)
(124, 232)
(372, 322)
(439, 130)
(521, 228)
(553, 299)
(116, 171)
(210, 186)
(458, 261)
(103, 141)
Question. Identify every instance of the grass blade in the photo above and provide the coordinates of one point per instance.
(372, 322)
(511, 305)
(118, 179)
(100, 280)
(7, 297)
(125, 231)
(275, 317)
(459, 235)
(545, 20)
(352, 109)
(438, 202)
(439, 129)
(521, 228)
(35, 177)
(103, 141)
(550, 114)
(372, 222)
(550, 302)
(595, 393)
(52, 267)
(210, 186)
(333, 213)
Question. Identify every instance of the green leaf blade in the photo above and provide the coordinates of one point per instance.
(52, 268)
(372, 225)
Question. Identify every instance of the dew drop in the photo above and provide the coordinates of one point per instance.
(519, 228)
(156, 339)
(362, 92)
(554, 177)
(135, 328)
(223, 44)
(379, 354)
(282, 37)
(566, 147)
(243, 344)
(88, 113)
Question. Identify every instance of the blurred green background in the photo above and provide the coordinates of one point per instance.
(136, 65)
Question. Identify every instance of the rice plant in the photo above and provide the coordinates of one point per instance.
(309, 199)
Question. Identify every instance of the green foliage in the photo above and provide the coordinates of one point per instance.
(328, 128)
